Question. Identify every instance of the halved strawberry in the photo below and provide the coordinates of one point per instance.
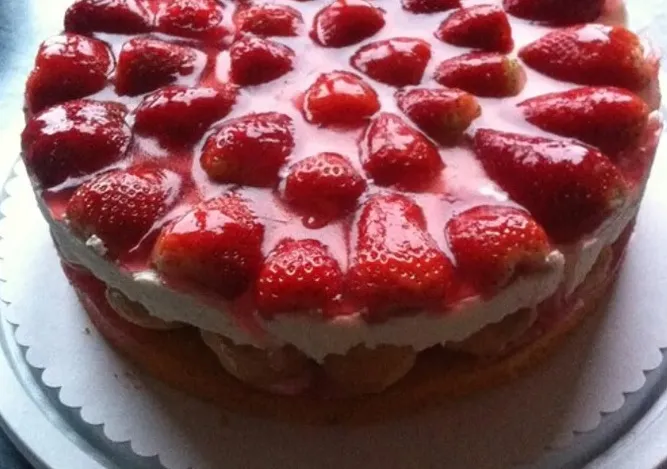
(109, 16)
(395, 153)
(121, 207)
(178, 114)
(216, 245)
(611, 119)
(485, 74)
(249, 150)
(592, 54)
(493, 244)
(556, 12)
(298, 276)
(340, 98)
(268, 20)
(483, 27)
(324, 185)
(346, 22)
(395, 264)
(196, 19)
(569, 188)
(255, 60)
(398, 62)
(74, 139)
(146, 64)
(67, 67)
(430, 6)
(443, 114)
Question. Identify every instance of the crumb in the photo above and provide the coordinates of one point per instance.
(87, 331)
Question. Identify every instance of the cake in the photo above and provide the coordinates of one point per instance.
(340, 211)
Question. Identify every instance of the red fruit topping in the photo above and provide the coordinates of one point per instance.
(398, 62)
(325, 185)
(395, 153)
(255, 60)
(480, 27)
(592, 54)
(443, 114)
(430, 6)
(196, 19)
(67, 67)
(298, 276)
(268, 20)
(147, 64)
(484, 74)
(74, 139)
(216, 245)
(556, 12)
(395, 263)
(109, 16)
(611, 119)
(493, 244)
(569, 188)
(340, 98)
(249, 150)
(177, 114)
(121, 207)
(346, 22)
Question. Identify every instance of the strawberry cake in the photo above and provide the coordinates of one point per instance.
(337, 211)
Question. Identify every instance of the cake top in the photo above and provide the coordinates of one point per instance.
(337, 157)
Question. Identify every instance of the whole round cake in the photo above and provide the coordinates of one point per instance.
(340, 211)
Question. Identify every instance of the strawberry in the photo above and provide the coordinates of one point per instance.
(195, 19)
(395, 264)
(346, 22)
(493, 244)
(74, 139)
(592, 54)
(249, 150)
(325, 185)
(255, 60)
(483, 27)
(298, 276)
(398, 62)
(216, 245)
(340, 98)
(67, 67)
(395, 153)
(121, 207)
(268, 20)
(146, 64)
(443, 114)
(569, 188)
(109, 16)
(556, 12)
(485, 74)
(611, 119)
(178, 114)
(430, 6)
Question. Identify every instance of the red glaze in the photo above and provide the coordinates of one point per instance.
(109, 16)
(398, 62)
(346, 22)
(429, 6)
(556, 12)
(483, 27)
(255, 61)
(196, 19)
(268, 20)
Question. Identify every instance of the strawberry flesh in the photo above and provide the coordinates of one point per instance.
(255, 61)
(74, 139)
(249, 150)
(268, 20)
(485, 74)
(216, 246)
(611, 119)
(195, 19)
(178, 114)
(493, 244)
(67, 67)
(483, 27)
(442, 114)
(346, 22)
(109, 16)
(556, 12)
(121, 207)
(298, 276)
(398, 62)
(429, 6)
(569, 188)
